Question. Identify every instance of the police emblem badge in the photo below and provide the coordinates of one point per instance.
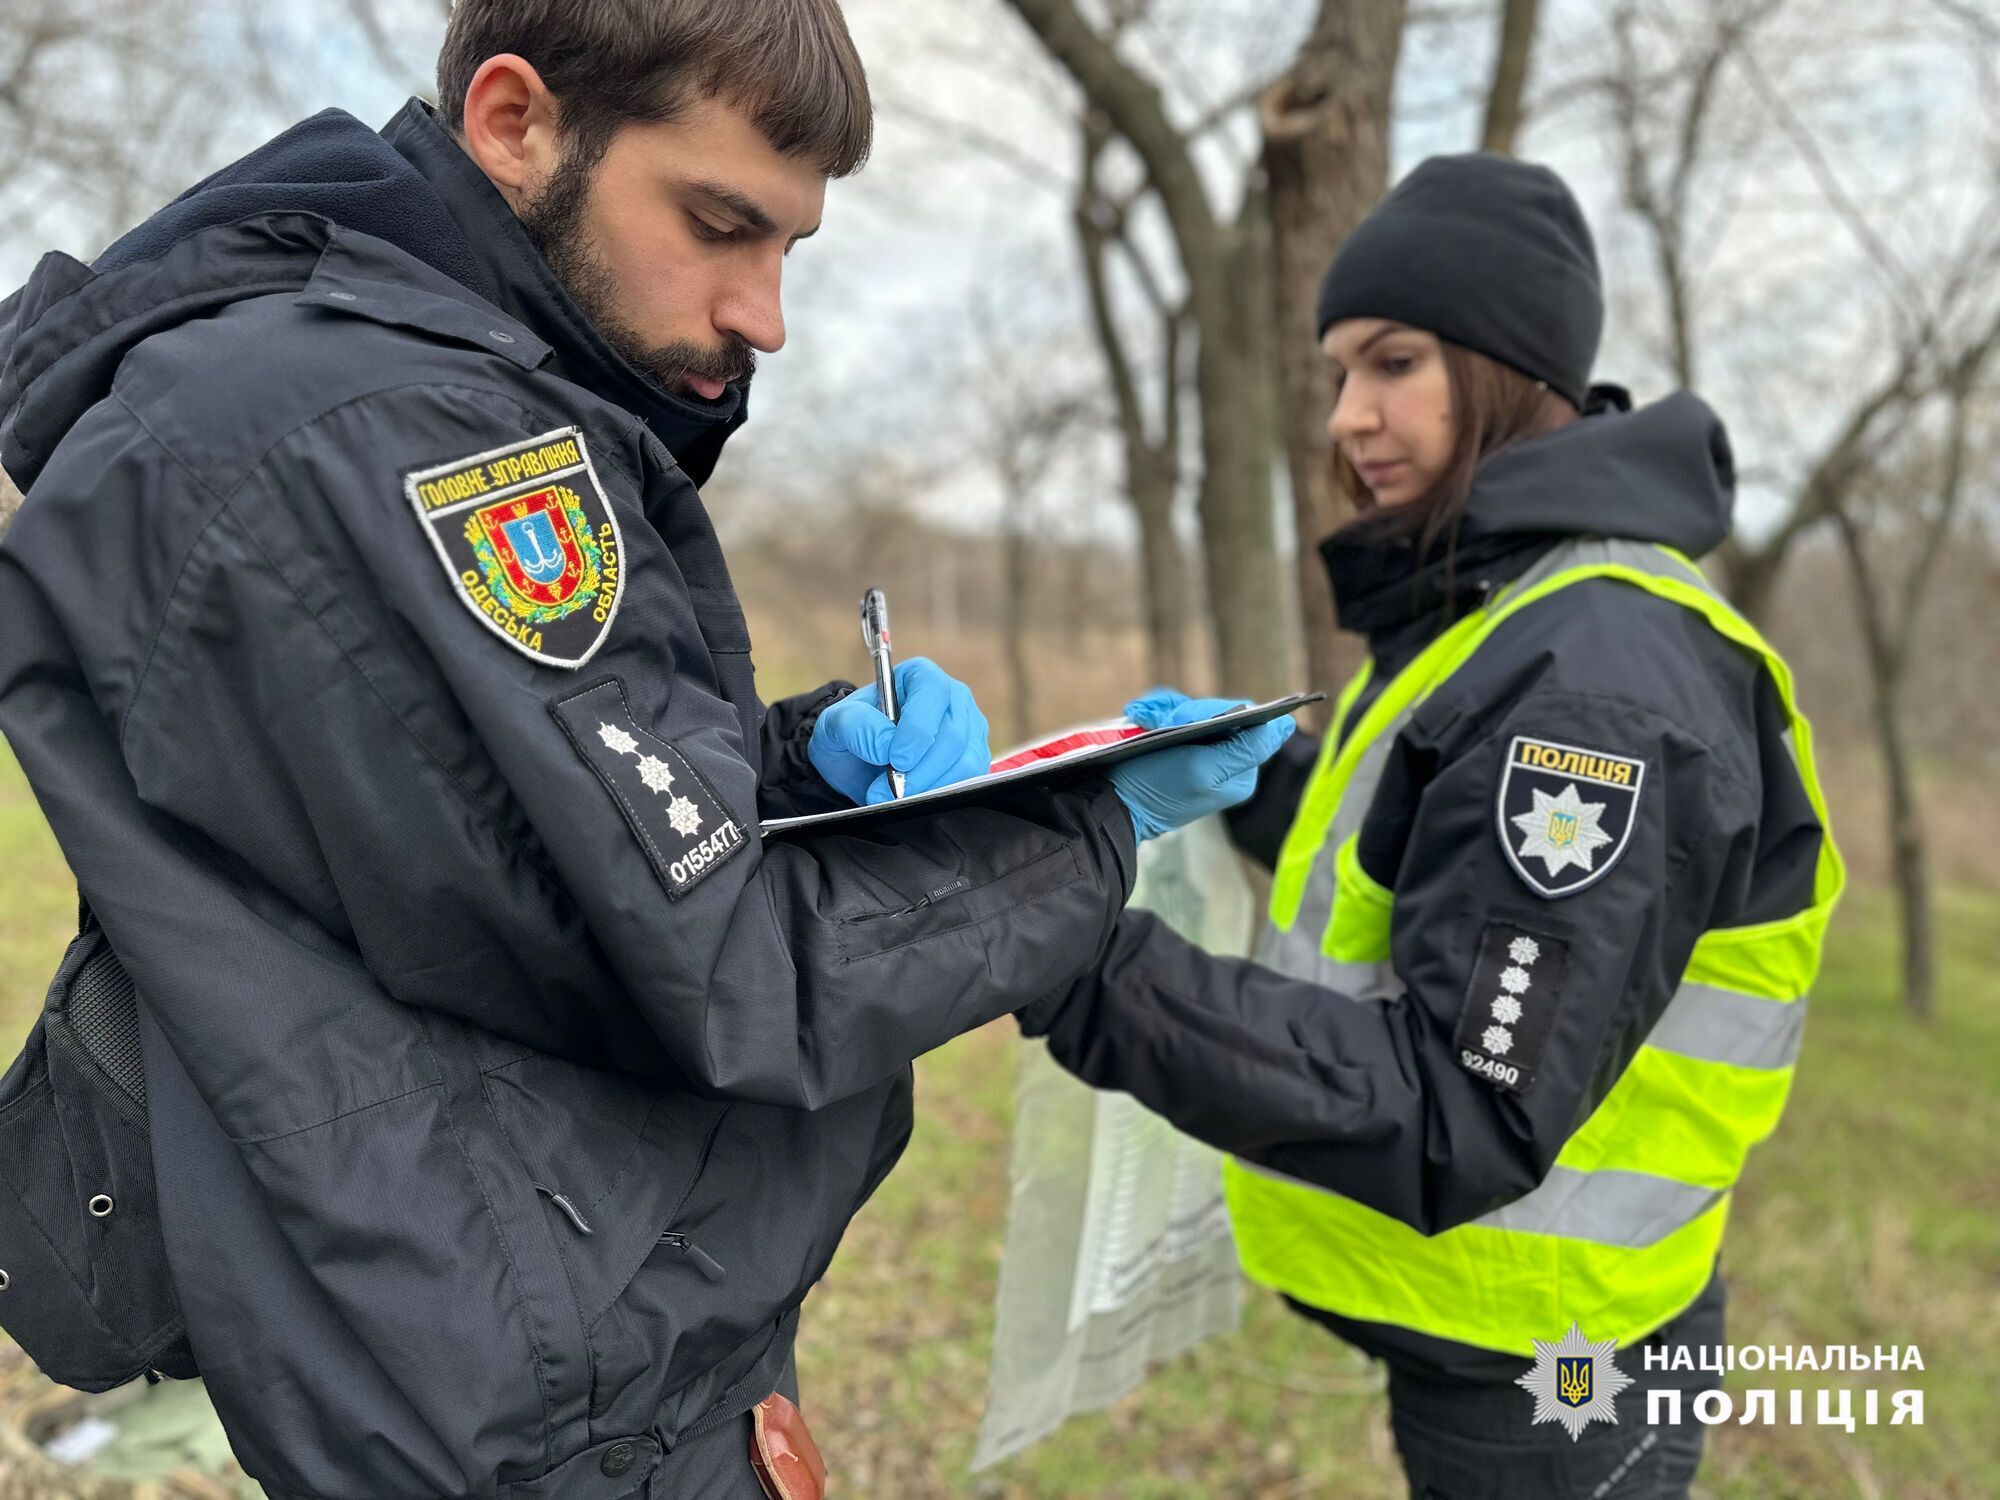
(1574, 1382)
(1565, 814)
(529, 542)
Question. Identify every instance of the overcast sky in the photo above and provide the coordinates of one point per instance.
(944, 267)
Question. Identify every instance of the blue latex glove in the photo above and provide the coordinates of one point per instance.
(1169, 788)
(937, 739)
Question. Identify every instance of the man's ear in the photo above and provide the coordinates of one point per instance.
(510, 126)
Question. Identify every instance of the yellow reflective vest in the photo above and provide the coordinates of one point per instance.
(1623, 1233)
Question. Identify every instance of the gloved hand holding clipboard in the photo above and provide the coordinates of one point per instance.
(1091, 749)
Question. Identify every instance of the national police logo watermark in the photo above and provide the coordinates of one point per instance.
(1575, 1382)
(1566, 813)
(529, 542)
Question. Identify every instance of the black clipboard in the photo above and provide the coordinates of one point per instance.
(1076, 763)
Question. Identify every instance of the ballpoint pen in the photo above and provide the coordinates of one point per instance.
(875, 636)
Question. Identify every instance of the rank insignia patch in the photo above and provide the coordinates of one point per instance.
(530, 543)
(1510, 1005)
(1566, 814)
(671, 809)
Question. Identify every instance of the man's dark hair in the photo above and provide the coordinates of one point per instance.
(789, 64)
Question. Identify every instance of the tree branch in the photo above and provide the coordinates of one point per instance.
(1133, 105)
(990, 144)
(1094, 239)
(1510, 76)
(1909, 303)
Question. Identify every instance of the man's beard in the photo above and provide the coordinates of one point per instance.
(554, 221)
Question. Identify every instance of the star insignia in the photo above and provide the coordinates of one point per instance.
(1524, 950)
(656, 773)
(685, 817)
(1605, 1380)
(1498, 1040)
(1514, 981)
(1580, 839)
(617, 739)
(1506, 1010)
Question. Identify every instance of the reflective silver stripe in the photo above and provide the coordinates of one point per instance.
(1632, 1209)
(1296, 952)
(1724, 1026)
(1597, 552)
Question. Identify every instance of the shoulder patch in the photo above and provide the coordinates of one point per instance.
(1510, 1005)
(671, 809)
(529, 542)
(1565, 814)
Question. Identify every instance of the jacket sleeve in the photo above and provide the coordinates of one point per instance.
(1258, 825)
(790, 787)
(1397, 1102)
(570, 856)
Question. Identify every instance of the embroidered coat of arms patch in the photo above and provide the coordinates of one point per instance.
(529, 542)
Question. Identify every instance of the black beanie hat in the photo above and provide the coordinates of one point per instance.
(1483, 251)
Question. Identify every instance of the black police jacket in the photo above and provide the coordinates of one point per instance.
(507, 1091)
(1376, 1100)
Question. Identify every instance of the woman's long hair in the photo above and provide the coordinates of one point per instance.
(1492, 405)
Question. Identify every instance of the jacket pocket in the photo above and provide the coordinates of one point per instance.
(955, 904)
(84, 1287)
(612, 1160)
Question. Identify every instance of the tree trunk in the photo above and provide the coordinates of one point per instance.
(1886, 663)
(1018, 581)
(1510, 76)
(1912, 867)
(1326, 160)
(1165, 574)
(1246, 594)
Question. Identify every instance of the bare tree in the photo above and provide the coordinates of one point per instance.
(1224, 259)
(1326, 161)
(1150, 446)
(1024, 428)
(1918, 509)
(1929, 333)
(104, 111)
(1667, 119)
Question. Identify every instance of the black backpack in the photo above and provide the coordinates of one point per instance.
(84, 1287)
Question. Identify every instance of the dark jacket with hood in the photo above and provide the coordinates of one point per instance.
(507, 1090)
(1370, 1099)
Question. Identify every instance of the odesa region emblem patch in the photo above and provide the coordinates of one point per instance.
(529, 542)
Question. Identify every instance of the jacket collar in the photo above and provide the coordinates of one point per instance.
(361, 276)
(518, 281)
(1660, 474)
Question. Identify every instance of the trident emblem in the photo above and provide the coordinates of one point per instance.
(1573, 1381)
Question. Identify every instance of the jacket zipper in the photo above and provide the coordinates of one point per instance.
(706, 1263)
(950, 888)
(682, 1248)
(679, 1245)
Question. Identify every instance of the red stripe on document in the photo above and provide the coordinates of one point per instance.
(1067, 743)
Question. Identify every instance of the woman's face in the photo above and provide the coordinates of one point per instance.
(1392, 419)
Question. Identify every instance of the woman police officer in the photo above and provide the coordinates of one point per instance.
(1552, 891)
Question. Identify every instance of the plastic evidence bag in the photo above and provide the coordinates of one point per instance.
(1118, 1254)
